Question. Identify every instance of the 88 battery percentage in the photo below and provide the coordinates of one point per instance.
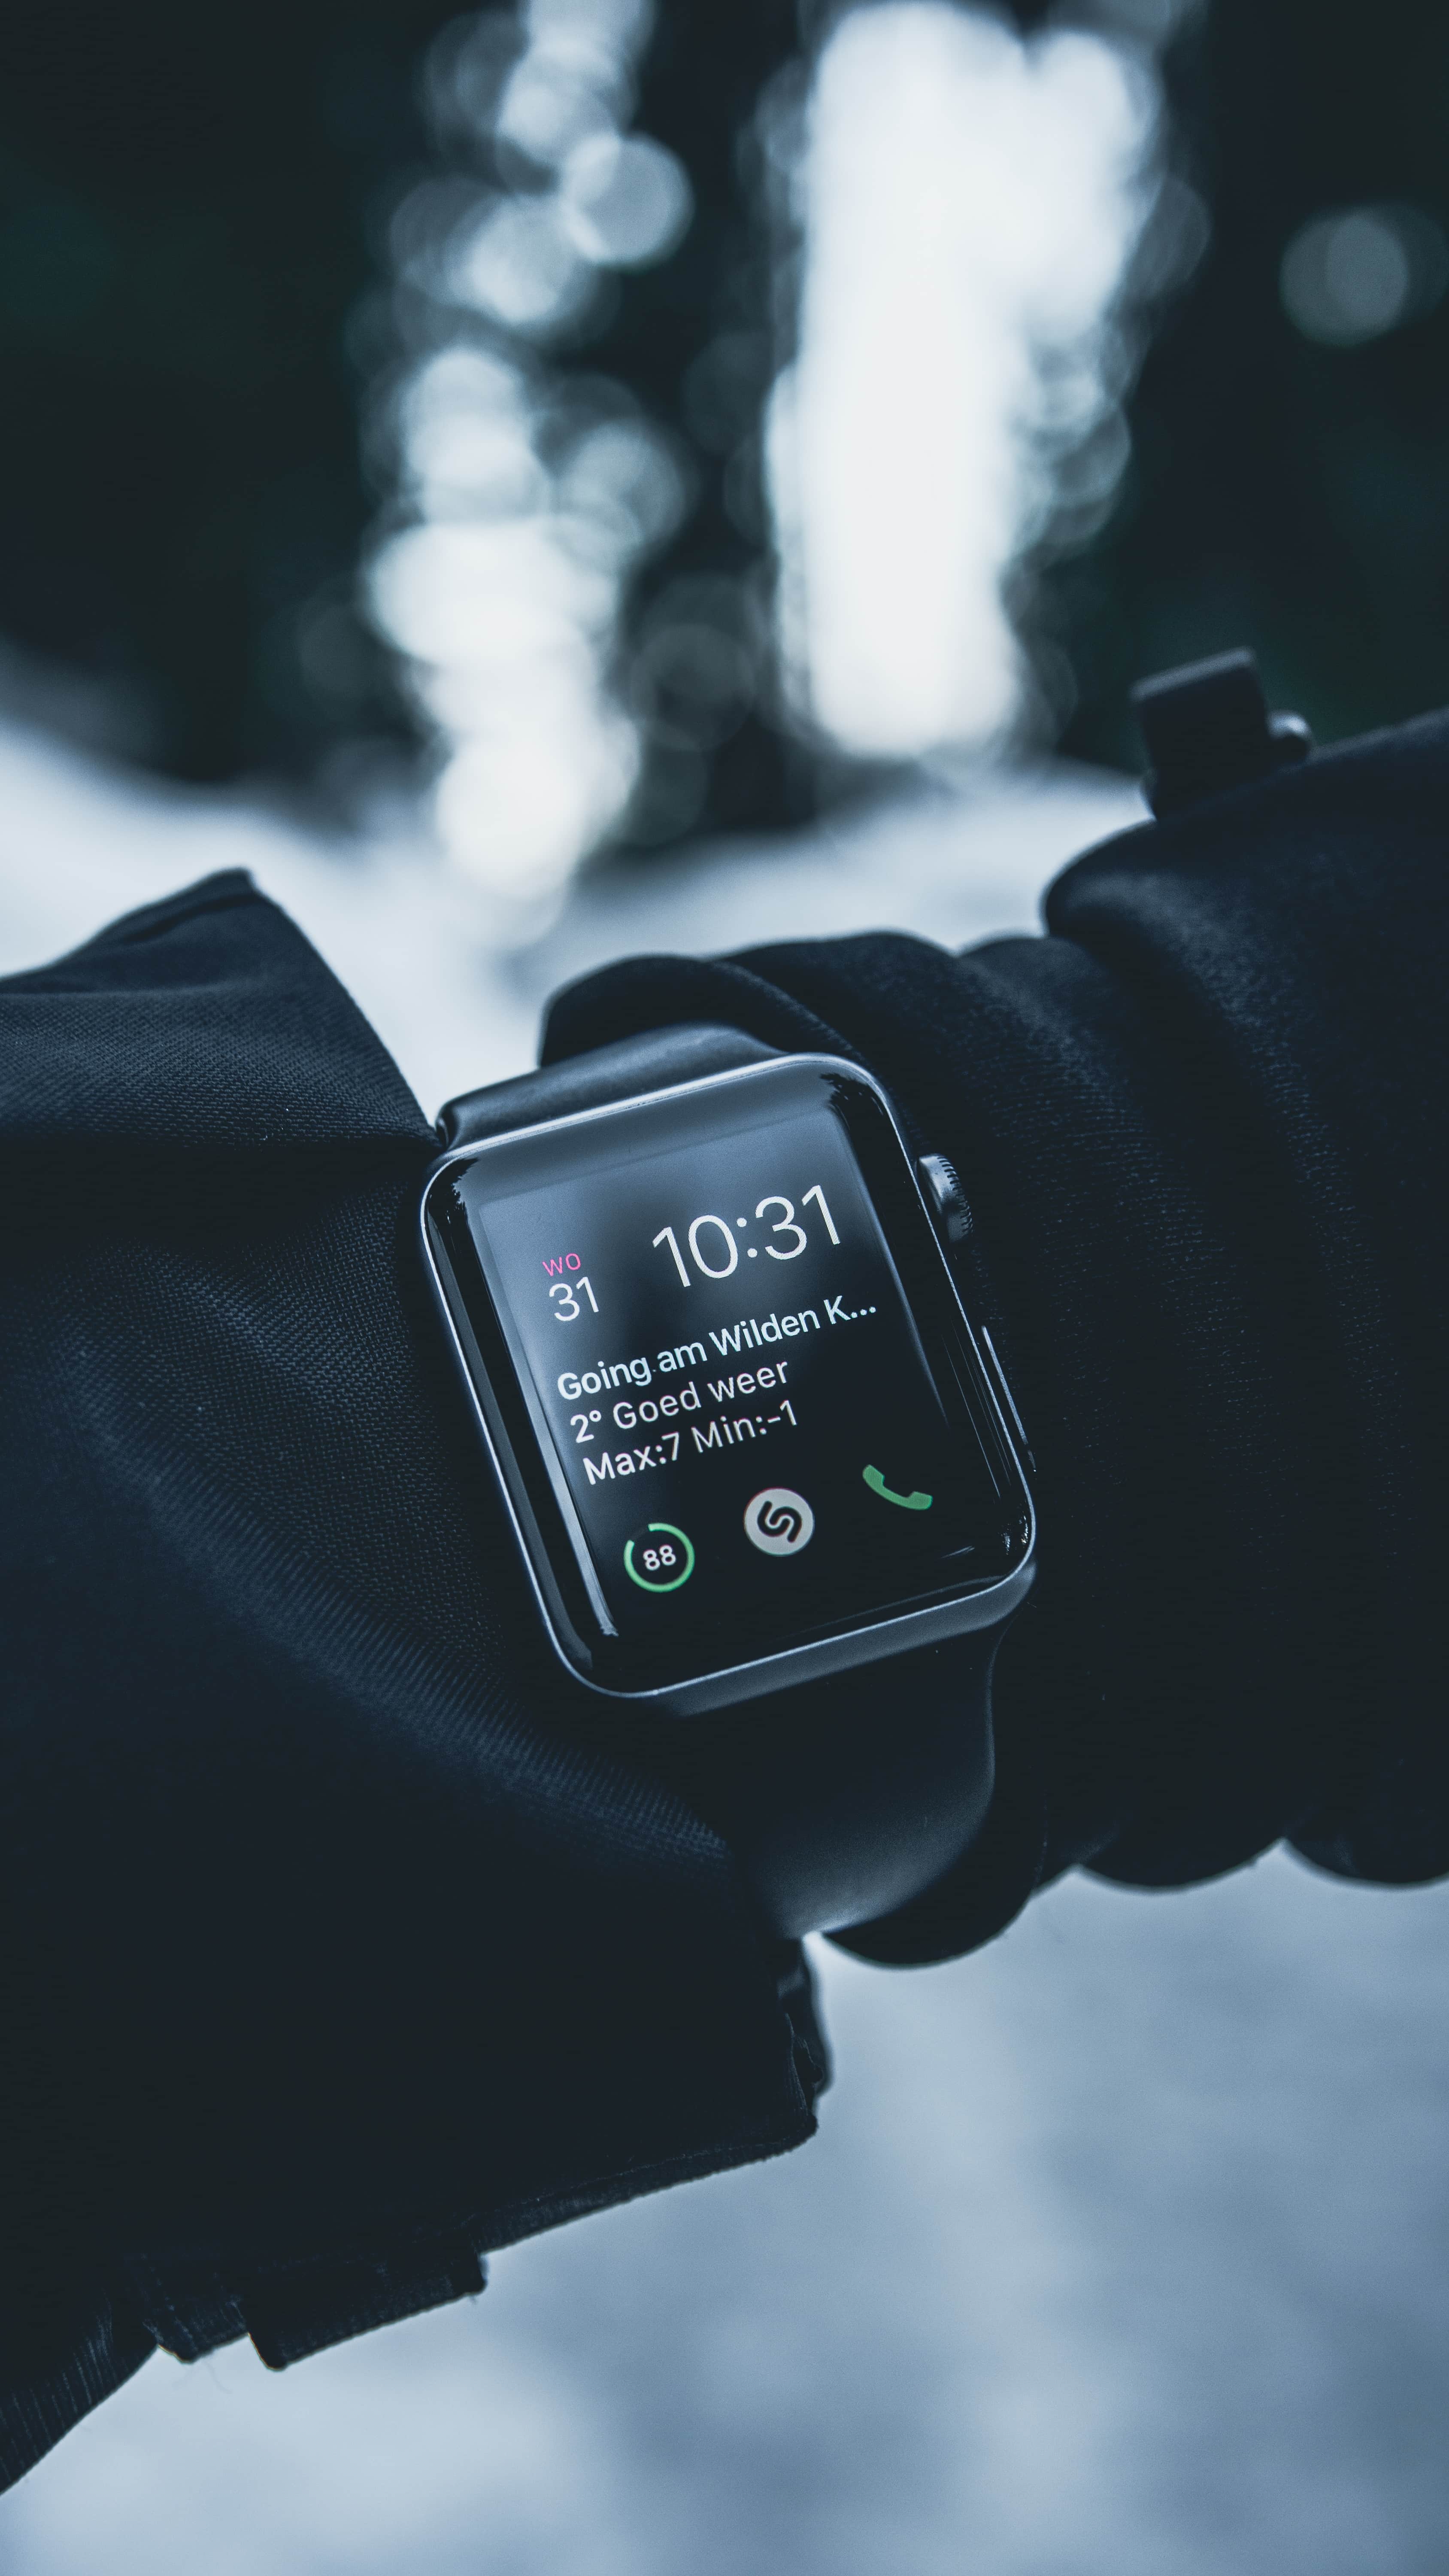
(658, 1557)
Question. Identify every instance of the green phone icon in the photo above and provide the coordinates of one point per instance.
(908, 1502)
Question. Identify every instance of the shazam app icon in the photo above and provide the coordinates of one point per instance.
(778, 1522)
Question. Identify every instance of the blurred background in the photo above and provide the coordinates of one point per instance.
(635, 420)
(584, 477)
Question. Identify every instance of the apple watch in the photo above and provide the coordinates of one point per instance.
(766, 1477)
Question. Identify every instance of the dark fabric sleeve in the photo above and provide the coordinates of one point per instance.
(1202, 1124)
(335, 1949)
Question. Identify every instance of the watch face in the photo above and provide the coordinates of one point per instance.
(724, 1373)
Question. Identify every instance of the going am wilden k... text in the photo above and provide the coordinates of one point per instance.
(751, 1333)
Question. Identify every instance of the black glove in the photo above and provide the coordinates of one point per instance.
(326, 1966)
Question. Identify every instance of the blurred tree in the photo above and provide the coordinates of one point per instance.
(700, 339)
(191, 212)
(1290, 478)
(185, 196)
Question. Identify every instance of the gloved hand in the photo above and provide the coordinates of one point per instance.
(335, 1949)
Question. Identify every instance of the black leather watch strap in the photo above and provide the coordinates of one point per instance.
(598, 1080)
(845, 1799)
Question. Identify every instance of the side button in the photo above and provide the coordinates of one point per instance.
(945, 1198)
(1003, 1389)
(955, 1224)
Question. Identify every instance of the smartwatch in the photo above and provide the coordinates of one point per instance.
(768, 1485)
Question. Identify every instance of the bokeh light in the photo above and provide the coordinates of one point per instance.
(966, 207)
(1350, 277)
(525, 500)
(972, 203)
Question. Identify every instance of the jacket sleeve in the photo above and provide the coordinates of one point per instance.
(336, 1948)
(1202, 1125)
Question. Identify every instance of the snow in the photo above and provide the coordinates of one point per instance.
(418, 945)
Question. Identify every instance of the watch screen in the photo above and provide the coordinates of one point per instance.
(752, 1412)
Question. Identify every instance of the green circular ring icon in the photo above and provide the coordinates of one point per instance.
(675, 1580)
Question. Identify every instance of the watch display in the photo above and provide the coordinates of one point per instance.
(724, 1373)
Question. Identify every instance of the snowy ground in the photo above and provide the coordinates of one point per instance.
(1120, 2252)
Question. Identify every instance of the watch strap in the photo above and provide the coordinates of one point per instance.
(600, 1079)
(845, 1799)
